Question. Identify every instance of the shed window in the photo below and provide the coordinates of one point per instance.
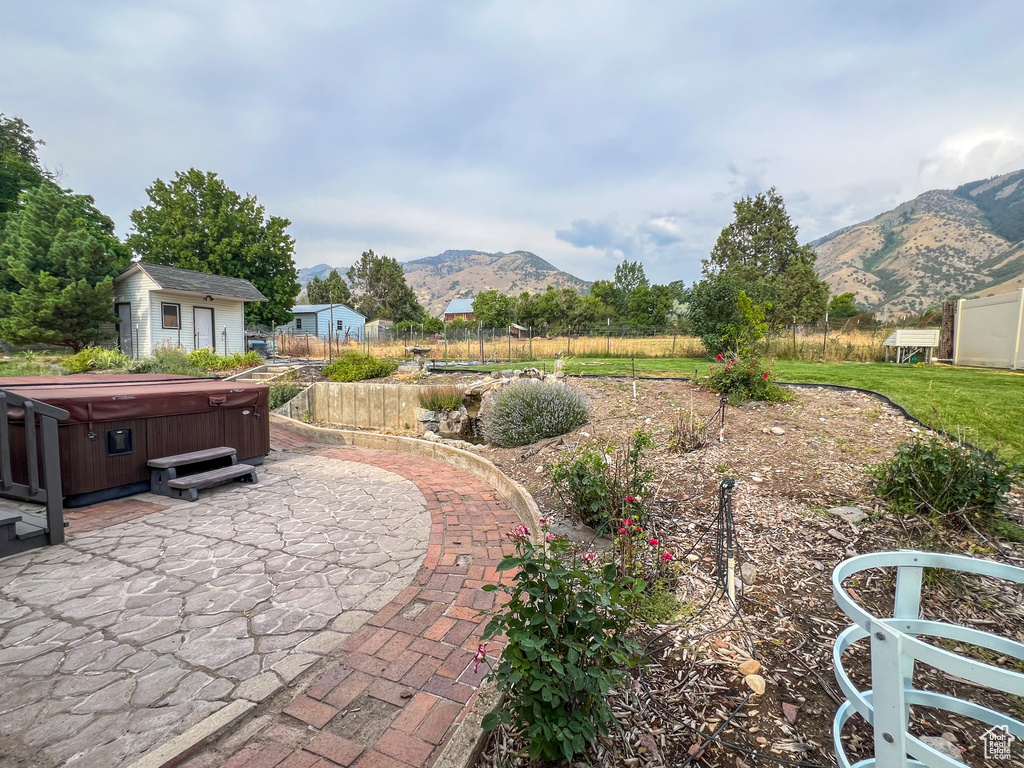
(298, 323)
(340, 326)
(171, 315)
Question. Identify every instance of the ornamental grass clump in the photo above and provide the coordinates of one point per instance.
(443, 398)
(567, 623)
(950, 482)
(528, 411)
(354, 366)
(97, 359)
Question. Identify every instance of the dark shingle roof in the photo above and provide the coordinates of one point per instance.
(175, 279)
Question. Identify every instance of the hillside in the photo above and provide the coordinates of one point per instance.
(463, 274)
(944, 242)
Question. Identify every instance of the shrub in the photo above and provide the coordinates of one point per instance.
(595, 484)
(689, 433)
(354, 366)
(97, 359)
(170, 360)
(568, 646)
(282, 392)
(743, 379)
(209, 360)
(949, 482)
(528, 411)
(443, 398)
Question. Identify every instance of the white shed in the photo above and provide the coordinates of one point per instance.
(166, 306)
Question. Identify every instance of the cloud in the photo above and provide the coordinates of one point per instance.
(585, 131)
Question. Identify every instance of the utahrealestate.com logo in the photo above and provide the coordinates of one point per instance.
(998, 742)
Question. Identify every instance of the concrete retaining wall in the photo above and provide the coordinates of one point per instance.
(393, 407)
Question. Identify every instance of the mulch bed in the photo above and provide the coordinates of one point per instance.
(786, 618)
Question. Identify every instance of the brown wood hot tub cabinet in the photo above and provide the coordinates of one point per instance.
(118, 423)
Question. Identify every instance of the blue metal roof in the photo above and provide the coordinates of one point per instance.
(312, 309)
(459, 306)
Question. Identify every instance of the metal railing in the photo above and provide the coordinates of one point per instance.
(896, 646)
(40, 438)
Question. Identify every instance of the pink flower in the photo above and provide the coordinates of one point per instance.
(543, 521)
(630, 499)
(550, 537)
(653, 542)
(520, 533)
(479, 656)
(622, 530)
(588, 557)
(629, 522)
(666, 556)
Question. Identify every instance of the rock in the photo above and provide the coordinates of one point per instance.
(849, 514)
(778, 431)
(559, 374)
(517, 373)
(748, 573)
(940, 744)
(692, 557)
(756, 683)
(753, 404)
(750, 667)
(838, 536)
(429, 416)
(508, 374)
(790, 711)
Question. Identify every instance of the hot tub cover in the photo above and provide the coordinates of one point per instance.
(110, 397)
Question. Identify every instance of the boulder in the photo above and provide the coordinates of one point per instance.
(849, 514)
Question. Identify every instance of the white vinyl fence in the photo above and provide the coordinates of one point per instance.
(989, 331)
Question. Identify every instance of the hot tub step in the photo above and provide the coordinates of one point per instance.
(188, 487)
(195, 457)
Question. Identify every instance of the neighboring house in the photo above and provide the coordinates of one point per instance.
(316, 320)
(167, 306)
(379, 330)
(459, 309)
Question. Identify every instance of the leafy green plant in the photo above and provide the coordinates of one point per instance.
(209, 360)
(97, 359)
(567, 625)
(599, 485)
(744, 379)
(951, 483)
(170, 360)
(283, 391)
(441, 398)
(528, 411)
(354, 366)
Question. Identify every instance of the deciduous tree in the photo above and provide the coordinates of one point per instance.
(493, 309)
(198, 222)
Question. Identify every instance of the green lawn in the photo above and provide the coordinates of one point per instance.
(988, 403)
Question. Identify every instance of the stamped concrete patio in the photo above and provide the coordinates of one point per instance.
(158, 613)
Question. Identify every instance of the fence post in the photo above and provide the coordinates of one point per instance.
(674, 344)
(531, 342)
(480, 339)
(794, 338)
(510, 344)
(824, 343)
(1020, 323)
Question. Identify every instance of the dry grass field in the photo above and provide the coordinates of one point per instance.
(842, 345)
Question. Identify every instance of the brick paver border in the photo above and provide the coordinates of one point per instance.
(414, 658)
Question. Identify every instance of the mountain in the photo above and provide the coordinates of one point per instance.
(463, 274)
(969, 240)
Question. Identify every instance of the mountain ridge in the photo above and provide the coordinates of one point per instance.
(942, 243)
(459, 274)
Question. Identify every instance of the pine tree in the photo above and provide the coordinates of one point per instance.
(380, 291)
(331, 290)
(57, 264)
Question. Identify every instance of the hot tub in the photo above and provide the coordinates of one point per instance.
(119, 422)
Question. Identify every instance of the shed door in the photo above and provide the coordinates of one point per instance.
(203, 317)
(124, 329)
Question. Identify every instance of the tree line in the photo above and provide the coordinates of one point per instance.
(59, 256)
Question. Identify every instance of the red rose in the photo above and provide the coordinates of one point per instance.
(764, 375)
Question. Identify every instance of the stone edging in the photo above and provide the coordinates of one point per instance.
(518, 497)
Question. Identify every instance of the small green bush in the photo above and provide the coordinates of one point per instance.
(951, 483)
(743, 379)
(353, 366)
(528, 411)
(97, 359)
(568, 645)
(282, 392)
(600, 486)
(209, 360)
(170, 360)
(441, 398)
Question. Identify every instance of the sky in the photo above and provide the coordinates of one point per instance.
(586, 132)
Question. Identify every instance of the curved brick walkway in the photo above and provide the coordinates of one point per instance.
(405, 679)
